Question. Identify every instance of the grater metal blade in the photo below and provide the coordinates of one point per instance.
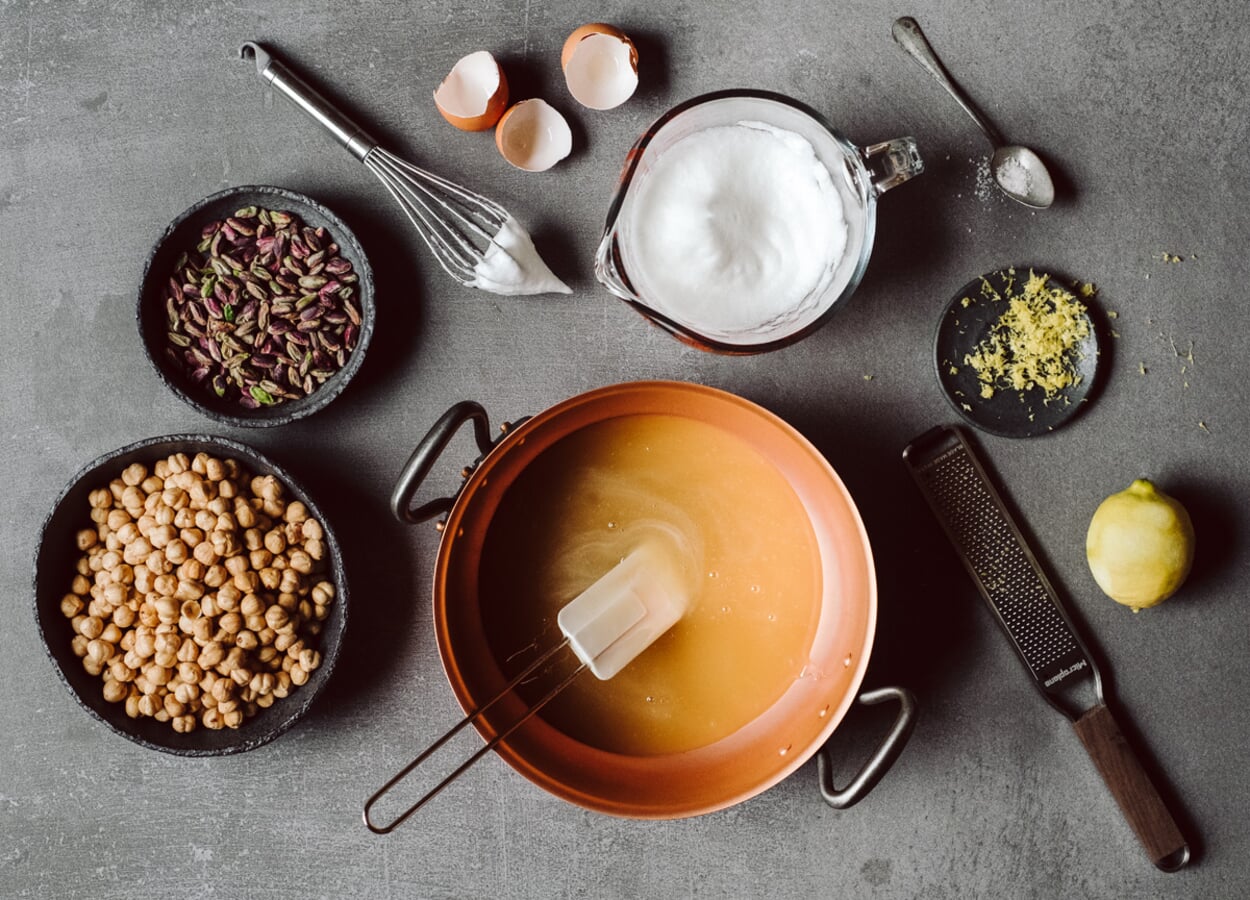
(1005, 571)
(1026, 606)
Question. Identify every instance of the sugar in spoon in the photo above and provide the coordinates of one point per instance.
(1018, 171)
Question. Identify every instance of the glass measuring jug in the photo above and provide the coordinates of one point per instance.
(859, 177)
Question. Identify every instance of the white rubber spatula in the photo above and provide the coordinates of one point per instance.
(606, 626)
(620, 615)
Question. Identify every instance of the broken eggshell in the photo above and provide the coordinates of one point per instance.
(474, 94)
(533, 136)
(600, 66)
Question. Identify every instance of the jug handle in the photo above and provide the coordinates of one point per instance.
(890, 163)
(882, 758)
(427, 452)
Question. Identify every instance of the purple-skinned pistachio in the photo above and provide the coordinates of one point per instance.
(215, 304)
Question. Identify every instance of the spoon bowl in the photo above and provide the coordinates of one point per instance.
(1022, 176)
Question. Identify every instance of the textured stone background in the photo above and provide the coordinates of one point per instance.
(116, 116)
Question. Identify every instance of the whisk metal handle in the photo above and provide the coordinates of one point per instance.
(346, 132)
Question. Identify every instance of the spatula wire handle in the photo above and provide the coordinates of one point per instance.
(490, 745)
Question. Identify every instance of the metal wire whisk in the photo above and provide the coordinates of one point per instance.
(457, 224)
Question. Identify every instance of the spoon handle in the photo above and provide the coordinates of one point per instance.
(907, 34)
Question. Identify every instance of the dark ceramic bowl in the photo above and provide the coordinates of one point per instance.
(183, 234)
(54, 570)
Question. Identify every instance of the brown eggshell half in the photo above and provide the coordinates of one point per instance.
(533, 135)
(600, 66)
(474, 94)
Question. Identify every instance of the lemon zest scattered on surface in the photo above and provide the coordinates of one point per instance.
(1034, 342)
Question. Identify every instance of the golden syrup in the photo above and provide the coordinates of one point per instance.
(750, 559)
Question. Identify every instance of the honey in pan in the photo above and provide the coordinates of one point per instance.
(745, 547)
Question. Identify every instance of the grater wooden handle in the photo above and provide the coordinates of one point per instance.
(1132, 788)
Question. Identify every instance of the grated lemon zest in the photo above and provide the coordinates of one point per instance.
(1033, 344)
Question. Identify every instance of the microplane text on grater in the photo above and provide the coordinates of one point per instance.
(995, 553)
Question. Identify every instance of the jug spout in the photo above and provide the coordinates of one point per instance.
(608, 268)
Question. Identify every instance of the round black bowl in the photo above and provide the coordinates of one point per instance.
(182, 235)
(55, 568)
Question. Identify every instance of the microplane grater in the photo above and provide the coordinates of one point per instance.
(1005, 570)
(994, 551)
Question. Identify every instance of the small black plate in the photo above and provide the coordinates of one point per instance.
(1008, 413)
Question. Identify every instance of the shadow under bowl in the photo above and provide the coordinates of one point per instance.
(182, 235)
(55, 568)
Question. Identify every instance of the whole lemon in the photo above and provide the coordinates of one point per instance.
(1140, 545)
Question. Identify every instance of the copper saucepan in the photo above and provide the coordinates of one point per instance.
(729, 770)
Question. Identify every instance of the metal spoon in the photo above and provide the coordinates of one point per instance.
(1018, 171)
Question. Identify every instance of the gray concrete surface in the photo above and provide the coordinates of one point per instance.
(116, 116)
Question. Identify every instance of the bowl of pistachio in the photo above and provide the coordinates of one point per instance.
(256, 306)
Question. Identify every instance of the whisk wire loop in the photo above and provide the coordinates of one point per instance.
(452, 221)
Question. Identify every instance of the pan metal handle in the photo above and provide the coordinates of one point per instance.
(427, 452)
(882, 758)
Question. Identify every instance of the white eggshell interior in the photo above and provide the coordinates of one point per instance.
(535, 136)
(600, 73)
(467, 89)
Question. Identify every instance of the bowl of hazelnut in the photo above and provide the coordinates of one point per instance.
(190, 595)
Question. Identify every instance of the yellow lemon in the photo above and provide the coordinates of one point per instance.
(1140, 545)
